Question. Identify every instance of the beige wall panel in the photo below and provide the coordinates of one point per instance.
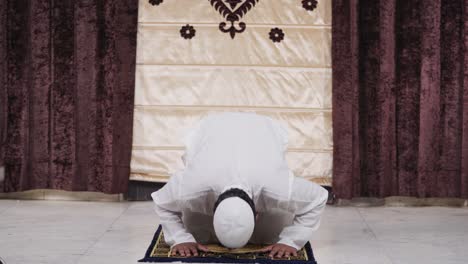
(310, 164)
(156, 126)
(287, 12)
(301, 47)
(233, 86)
(178, 81)
(158, 164)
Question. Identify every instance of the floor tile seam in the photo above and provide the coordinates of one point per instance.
(101, 235)
(383, 249)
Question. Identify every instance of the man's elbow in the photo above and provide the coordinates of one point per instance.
(154, 196)
(318, 202)
(323, 196)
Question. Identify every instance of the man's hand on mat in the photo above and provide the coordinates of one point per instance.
(280, 250)
(188, 249)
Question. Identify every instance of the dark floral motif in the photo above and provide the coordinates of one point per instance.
(309, 5)
(276, 34)
(233, 11)
(187, 32)
(155, 2)
(233, 3)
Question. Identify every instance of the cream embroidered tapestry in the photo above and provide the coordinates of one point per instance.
(195, 57)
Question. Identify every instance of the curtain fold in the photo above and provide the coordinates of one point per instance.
(67, 72)
(400, 98)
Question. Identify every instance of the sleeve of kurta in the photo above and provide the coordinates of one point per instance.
(170, 213)
(307, 201)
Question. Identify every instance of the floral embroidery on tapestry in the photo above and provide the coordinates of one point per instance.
(233, 11)
(309, 5)
(155, 2)
(187, 31)
(276, 34)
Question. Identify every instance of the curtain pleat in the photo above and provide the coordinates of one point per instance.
(345, 99)
(464, 98)
(68, 86)
(3, 78)
(399, 98)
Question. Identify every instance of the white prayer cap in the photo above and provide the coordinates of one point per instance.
(233, 222)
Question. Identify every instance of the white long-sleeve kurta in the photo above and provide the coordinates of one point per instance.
(246, 151)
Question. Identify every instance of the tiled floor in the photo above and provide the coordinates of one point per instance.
(100, 232)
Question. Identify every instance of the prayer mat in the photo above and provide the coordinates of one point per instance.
(159, 251)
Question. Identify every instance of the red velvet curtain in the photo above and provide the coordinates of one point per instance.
(400, 98)
(67, 72)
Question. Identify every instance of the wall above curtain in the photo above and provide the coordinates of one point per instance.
(400, 98)
(66, 94)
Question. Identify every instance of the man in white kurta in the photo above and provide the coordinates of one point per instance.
(243, 151)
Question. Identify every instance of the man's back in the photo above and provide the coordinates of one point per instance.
(244, 151)
(242, 143)
(237, 148)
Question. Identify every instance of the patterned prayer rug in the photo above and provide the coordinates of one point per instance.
(159, 251)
